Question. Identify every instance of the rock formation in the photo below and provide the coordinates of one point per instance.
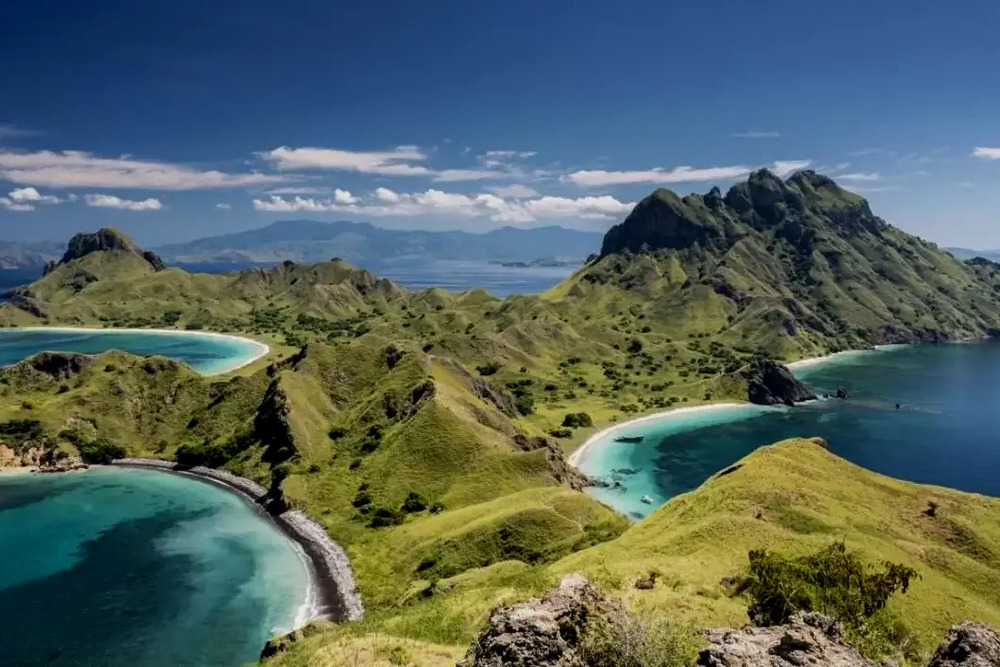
(810, 639)
(770, 383)
(104, 239)
(969, 645)
(542, 632)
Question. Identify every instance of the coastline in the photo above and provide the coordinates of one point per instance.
(262, 349)
(579, 455)
(332, 592)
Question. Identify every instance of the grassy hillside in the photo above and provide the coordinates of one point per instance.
(794, 497)
(427, 430)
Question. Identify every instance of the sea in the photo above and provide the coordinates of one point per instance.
(946, 429)
(453, 275)
(141, 568)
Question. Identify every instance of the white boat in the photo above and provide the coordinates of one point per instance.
(647, 500)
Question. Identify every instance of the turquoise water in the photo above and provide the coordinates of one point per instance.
(945, 431)
(139, 568)
(206, 354)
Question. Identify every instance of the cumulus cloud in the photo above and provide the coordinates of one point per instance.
(111, 201)
(757, 135)
(25, 199)
(64, 169)
(785, 167)
(401, 161)
(388, 203)
(224, 206)
(986, 153)
(344, 197)
(515, 191)
(502, 158)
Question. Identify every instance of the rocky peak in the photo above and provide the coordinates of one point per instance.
(663, 221)
(104, 240)
(770, 383)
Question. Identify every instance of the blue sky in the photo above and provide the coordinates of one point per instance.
(178, 119)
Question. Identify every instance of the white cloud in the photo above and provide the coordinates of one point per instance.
(224, 206)
(344, 197)
(601, 177)
(783, 168)
(397, 162)
(32, 196)
(515, 191)
(111, 201)
(873, 176)
(865, 190)
(757, 135)
(388, 203)
(455, 175)
(63, 169)
(25, 199)
(986, 153)
(503, 158)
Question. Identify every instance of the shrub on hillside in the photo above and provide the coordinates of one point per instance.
(488, 369)
(525, 404)
(577, 420)
(835, 582)
(414, 503)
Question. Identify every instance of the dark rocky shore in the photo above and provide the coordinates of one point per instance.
(336, 595)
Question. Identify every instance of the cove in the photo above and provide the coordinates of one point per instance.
(945, 431)
(141, 568)
(207, 353)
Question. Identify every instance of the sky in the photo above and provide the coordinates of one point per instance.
(179, 119)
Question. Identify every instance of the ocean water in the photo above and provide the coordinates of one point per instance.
(452, 275)
(944, 432)
(139, 568)
(206, 354)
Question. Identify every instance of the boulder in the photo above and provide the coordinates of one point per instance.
(969, 645)
(809, 640)
(542, 632)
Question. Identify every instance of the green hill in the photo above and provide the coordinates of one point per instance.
(427, 430)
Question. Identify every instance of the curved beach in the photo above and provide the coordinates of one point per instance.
(332, 592)
(260, 349)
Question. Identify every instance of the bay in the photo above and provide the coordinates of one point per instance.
(946, 430)
(140, 568)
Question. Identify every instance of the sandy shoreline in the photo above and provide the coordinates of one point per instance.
(579, 455)
(261, 348)
(332, 592)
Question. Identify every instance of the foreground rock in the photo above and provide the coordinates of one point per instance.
(542, 632)
(969, 645)
(810, 639)
(770, 383)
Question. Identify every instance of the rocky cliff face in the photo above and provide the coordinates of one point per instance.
(969, 645)
(770, 383)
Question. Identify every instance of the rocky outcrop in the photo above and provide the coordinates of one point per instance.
(542, 632)
(497, 397)
(59, 365)
(562, 471)
(41, 458)
(271, 424)
(810, 639)
(969, 645)
(770, 383)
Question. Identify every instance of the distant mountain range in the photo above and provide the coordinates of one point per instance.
(357, 242)
(17, 254)
(365, 244)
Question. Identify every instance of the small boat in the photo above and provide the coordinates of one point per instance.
(629, 438)
(648, 500)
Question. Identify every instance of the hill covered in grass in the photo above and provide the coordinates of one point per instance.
(427, 431)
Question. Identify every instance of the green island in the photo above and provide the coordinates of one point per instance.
(428, 432)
